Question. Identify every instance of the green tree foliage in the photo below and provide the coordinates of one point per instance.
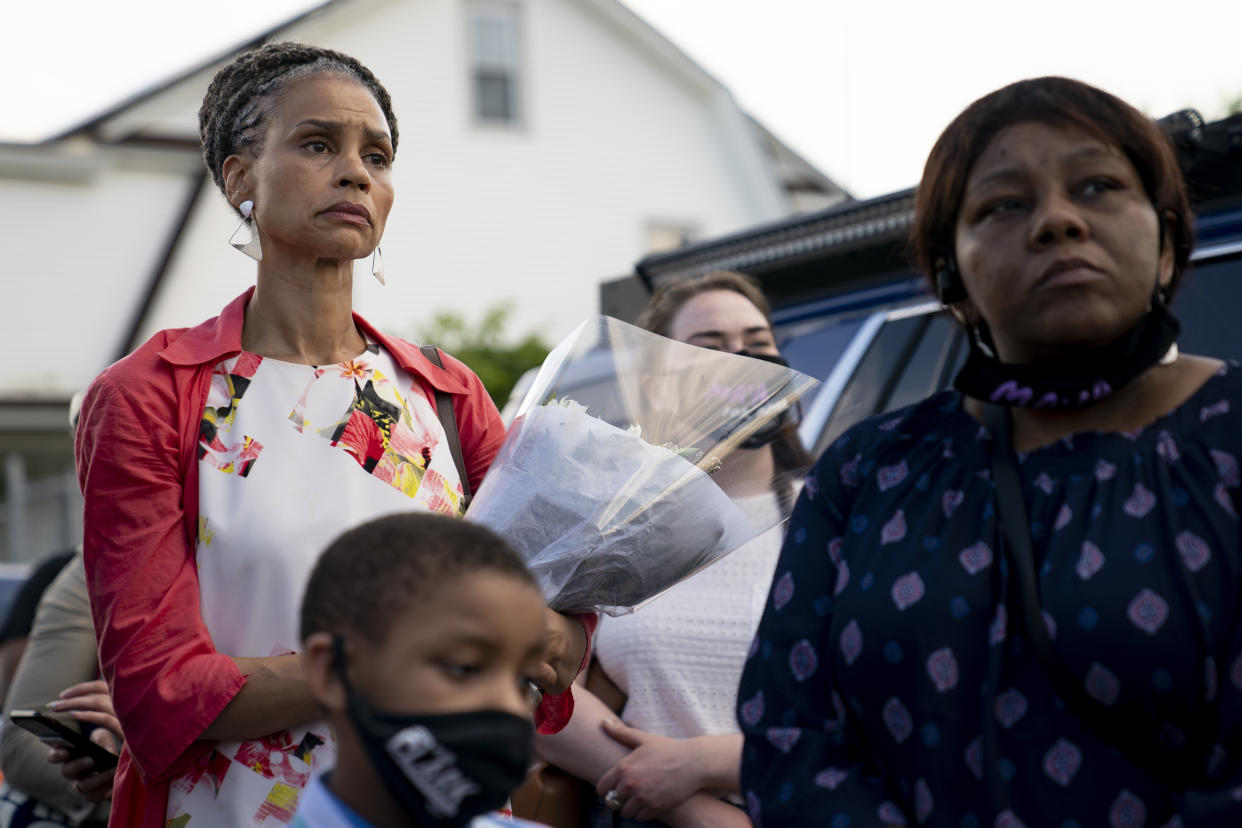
(484, 347)
(1235, 106)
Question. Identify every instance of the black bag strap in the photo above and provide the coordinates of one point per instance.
(448, 419)
(1104, 721)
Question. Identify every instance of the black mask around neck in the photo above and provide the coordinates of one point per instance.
(1072, 381)
(444, 769)
(786, 421)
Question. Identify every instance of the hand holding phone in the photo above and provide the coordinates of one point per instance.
(58, 733)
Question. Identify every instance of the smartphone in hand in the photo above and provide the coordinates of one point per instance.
(58, 733)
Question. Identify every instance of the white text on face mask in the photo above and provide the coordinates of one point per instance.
(432, 769)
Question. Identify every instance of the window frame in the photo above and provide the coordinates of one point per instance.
(513, 14)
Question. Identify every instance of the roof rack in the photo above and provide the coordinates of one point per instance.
(862, 243)
(810, 236)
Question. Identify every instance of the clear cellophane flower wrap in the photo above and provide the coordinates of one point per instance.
(617, 477)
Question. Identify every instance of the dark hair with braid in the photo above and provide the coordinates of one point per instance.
(373, 573)
(241, 96)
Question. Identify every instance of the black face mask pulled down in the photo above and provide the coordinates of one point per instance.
(444, 769)
(1072, 381)
(779, 425)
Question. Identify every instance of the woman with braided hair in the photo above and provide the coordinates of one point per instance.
(217, 461)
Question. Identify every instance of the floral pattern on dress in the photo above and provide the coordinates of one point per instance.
(229, 382)
(389, 442)
(341, 444)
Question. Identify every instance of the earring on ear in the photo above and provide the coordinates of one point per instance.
(1161, 292)
(247, 242)
(981, 343)
(979, 337)
(377, 265)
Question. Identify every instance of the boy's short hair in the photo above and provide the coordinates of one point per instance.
(372, 573)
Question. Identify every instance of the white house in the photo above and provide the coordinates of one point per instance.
(546, 145)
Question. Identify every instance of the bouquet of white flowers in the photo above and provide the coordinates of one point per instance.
(614, 481)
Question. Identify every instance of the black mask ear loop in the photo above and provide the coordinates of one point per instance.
(950, 290)
(1161, 290)
(1160, 301)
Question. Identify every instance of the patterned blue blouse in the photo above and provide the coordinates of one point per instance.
(885, 686)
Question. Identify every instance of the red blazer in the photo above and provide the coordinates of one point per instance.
(137, 460)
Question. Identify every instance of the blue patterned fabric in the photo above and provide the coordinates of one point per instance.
(885, 686)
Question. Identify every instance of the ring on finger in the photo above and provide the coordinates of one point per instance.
(613, 800)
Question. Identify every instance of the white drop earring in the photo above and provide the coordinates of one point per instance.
(377, 266)
(247, 242)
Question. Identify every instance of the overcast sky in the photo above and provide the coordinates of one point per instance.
(860, 88)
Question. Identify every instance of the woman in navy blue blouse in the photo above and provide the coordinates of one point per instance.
(891, 681)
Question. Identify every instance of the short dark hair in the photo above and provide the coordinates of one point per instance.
(667, 300)
(239, 100)
(1059, 102)
(373, 573)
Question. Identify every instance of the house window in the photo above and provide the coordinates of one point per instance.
(495, 53)
(665, 235)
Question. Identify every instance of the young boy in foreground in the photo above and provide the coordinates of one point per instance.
(420, 635)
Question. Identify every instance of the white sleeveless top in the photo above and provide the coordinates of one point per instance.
(679, 658)
(290, 456)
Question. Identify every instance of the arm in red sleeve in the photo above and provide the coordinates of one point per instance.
(167, 680)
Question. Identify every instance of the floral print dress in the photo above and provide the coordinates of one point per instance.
(887, 686)
(290, 456)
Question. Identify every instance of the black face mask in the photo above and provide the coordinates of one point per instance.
(444, 769)
(779, 425)
(1075, 381)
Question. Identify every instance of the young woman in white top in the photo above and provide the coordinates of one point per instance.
(676, 750)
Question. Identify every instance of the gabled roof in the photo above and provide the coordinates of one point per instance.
(91, 125)
(149, 140)
(796, 174)
(613, 10)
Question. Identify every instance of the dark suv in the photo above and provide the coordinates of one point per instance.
(848, 309)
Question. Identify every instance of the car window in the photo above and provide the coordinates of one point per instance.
(914, 353)
(873, 379)
(914, 356)
(1207, 303)
(933, 360)
(814, 350)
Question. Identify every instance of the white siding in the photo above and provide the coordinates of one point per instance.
(613, 138)
(619, 133)
(79, 253)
